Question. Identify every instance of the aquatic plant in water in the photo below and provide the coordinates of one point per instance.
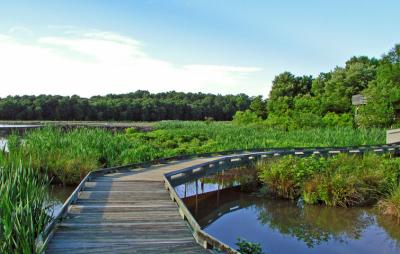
(246, 247)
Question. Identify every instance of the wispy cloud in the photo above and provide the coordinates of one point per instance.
(96, 62)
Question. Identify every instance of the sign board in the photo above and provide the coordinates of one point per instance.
(393, 136)
(358, 99)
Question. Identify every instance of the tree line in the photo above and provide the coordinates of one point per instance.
(136, 106)
(325, 100)
(293, 102)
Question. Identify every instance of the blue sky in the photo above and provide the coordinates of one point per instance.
(67, 47)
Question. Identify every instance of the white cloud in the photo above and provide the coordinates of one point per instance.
(95, 62)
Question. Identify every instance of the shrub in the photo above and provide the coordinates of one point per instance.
(284, 177)
(246, 247)
(246, 117)
(337, 120)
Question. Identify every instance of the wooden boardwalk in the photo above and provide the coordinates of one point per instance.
(131, 211)
(126, 212)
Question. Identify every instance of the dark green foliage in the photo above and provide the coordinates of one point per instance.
(259, 107)
(137, 106)
(246, 247)
(294, 103)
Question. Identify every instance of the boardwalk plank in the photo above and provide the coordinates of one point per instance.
(127, 212)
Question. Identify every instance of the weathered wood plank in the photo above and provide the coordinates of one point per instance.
(125, 213)
(188, 247)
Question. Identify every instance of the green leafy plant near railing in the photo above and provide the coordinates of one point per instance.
(246, 247)
(24, 210)
(343, 180)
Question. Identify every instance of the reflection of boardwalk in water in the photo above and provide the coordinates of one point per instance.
(209, 206)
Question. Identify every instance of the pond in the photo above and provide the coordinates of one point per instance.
(229, 205)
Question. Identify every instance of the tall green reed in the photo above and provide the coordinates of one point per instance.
(24, 200)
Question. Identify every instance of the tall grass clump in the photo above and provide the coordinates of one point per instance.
(391, 204)
(67, 156)
(23, 203)
(343, 180)
(227, 136)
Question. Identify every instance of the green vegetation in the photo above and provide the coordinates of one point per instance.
(67, 156)
(246, 247)
(324, 101)
(23, 203)
(391, 204)
(137, 106)
(343, 180)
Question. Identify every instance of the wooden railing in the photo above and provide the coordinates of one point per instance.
(242, 156)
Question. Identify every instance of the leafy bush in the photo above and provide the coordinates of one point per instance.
(246, 117)
(337, 120)
(246, 247)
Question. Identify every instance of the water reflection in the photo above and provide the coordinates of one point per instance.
(227, 205)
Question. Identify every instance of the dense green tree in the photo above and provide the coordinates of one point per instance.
(259, 106)
(137, 106)
(383, 93)
(286, 84)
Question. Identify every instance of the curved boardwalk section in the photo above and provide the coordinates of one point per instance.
(129, 210)
(126, 212)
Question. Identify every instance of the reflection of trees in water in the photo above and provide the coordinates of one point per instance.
(314, 224)
(241, 176)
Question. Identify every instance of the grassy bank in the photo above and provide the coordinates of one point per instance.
(343, 180)
(67, 156)
(23, 200)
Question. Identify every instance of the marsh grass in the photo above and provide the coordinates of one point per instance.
(343, 180)
(391, 204)
(23, 203)
(67, 156)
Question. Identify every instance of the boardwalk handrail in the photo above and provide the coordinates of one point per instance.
(44, 238)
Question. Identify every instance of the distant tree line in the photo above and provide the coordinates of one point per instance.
(325, 100)
(136, 106)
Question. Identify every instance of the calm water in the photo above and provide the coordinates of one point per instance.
(59, 195)
(228, 206)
